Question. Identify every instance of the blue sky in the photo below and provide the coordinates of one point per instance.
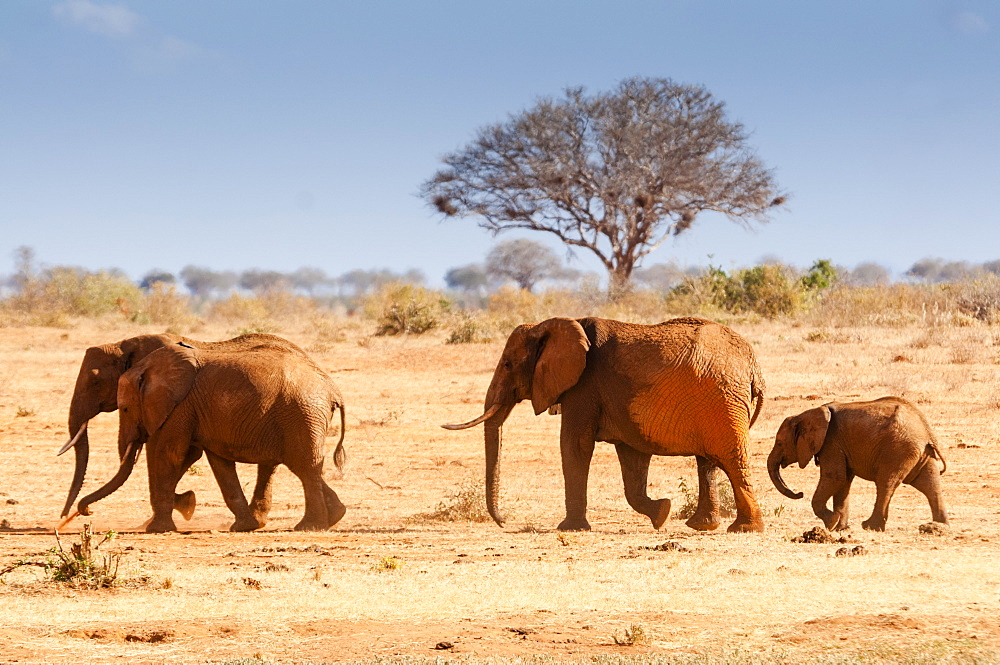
(145, 134)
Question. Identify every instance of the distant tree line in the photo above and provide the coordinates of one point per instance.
(204, 282)
(523, 263)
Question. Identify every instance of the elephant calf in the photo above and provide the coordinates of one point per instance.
(886, 440)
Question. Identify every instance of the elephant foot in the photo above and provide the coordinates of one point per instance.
(574, 524)
(248, 524)
(872, 525)
(336, 514)
(260, 511)
(185, 504)
(704, 522)
(157, 525)
(310, 526)
(661, 513)
(749, 525)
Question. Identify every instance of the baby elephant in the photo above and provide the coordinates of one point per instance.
(886, 440)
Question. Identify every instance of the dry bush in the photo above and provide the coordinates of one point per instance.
(895, 305)
(406, 309)
(264, 312)
(634, 635)
(643, 306)
(979, 299)
(472, 328)
(83, 566)
(466, 504)
(163, 306)
(510, 307)
(64, 292)
(329, 328)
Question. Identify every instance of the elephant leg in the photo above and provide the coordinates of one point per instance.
(737, 468)
(316, 516)
(577, 449)
(335, 508)
(885, 487)
(319, 503)
(707, 516)
(635, 471)
(260, 505)
(827, 487)
(164, 473)
(185, 503)
(841, 516)
(229, 483)
(929, 484)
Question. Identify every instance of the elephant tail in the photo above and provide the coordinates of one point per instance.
(756, 391)
(339, 454)
(937, 453)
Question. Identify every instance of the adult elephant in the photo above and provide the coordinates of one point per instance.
(96, 391)
(687, 386)
(267, 405)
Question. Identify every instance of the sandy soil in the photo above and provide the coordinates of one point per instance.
(390, 580)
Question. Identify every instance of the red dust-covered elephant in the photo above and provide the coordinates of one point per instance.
(687, 386)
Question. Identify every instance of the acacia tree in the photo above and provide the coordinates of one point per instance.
(522, 260)
(615, 173)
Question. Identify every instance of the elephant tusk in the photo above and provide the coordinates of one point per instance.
(72, 442)
(62, 525)
(472, 423)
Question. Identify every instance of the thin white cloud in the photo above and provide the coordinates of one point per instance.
(969, 23)
(174, 49)
(108, 20)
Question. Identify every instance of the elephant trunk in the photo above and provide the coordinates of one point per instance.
(494, 436)
(124, 471)
(774, 470)
(80, 443)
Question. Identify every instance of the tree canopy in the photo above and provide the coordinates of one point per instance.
(615, 173)
(525, 261)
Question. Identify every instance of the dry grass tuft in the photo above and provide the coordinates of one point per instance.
(466, 504)
(633, 636)
(83, 566)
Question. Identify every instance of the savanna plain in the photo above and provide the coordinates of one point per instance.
(415, 572)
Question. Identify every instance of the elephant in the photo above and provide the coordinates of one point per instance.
(886, 440)
(96, 391)
(687, 386)
(267, 405)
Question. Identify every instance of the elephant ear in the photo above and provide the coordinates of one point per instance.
(562, 357)
(163, 379)
(811, 433)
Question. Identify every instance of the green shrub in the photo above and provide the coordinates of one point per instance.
(766, 290)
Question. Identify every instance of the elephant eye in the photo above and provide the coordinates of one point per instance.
(507, 364)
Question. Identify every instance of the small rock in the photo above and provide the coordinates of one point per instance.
(444, 646)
